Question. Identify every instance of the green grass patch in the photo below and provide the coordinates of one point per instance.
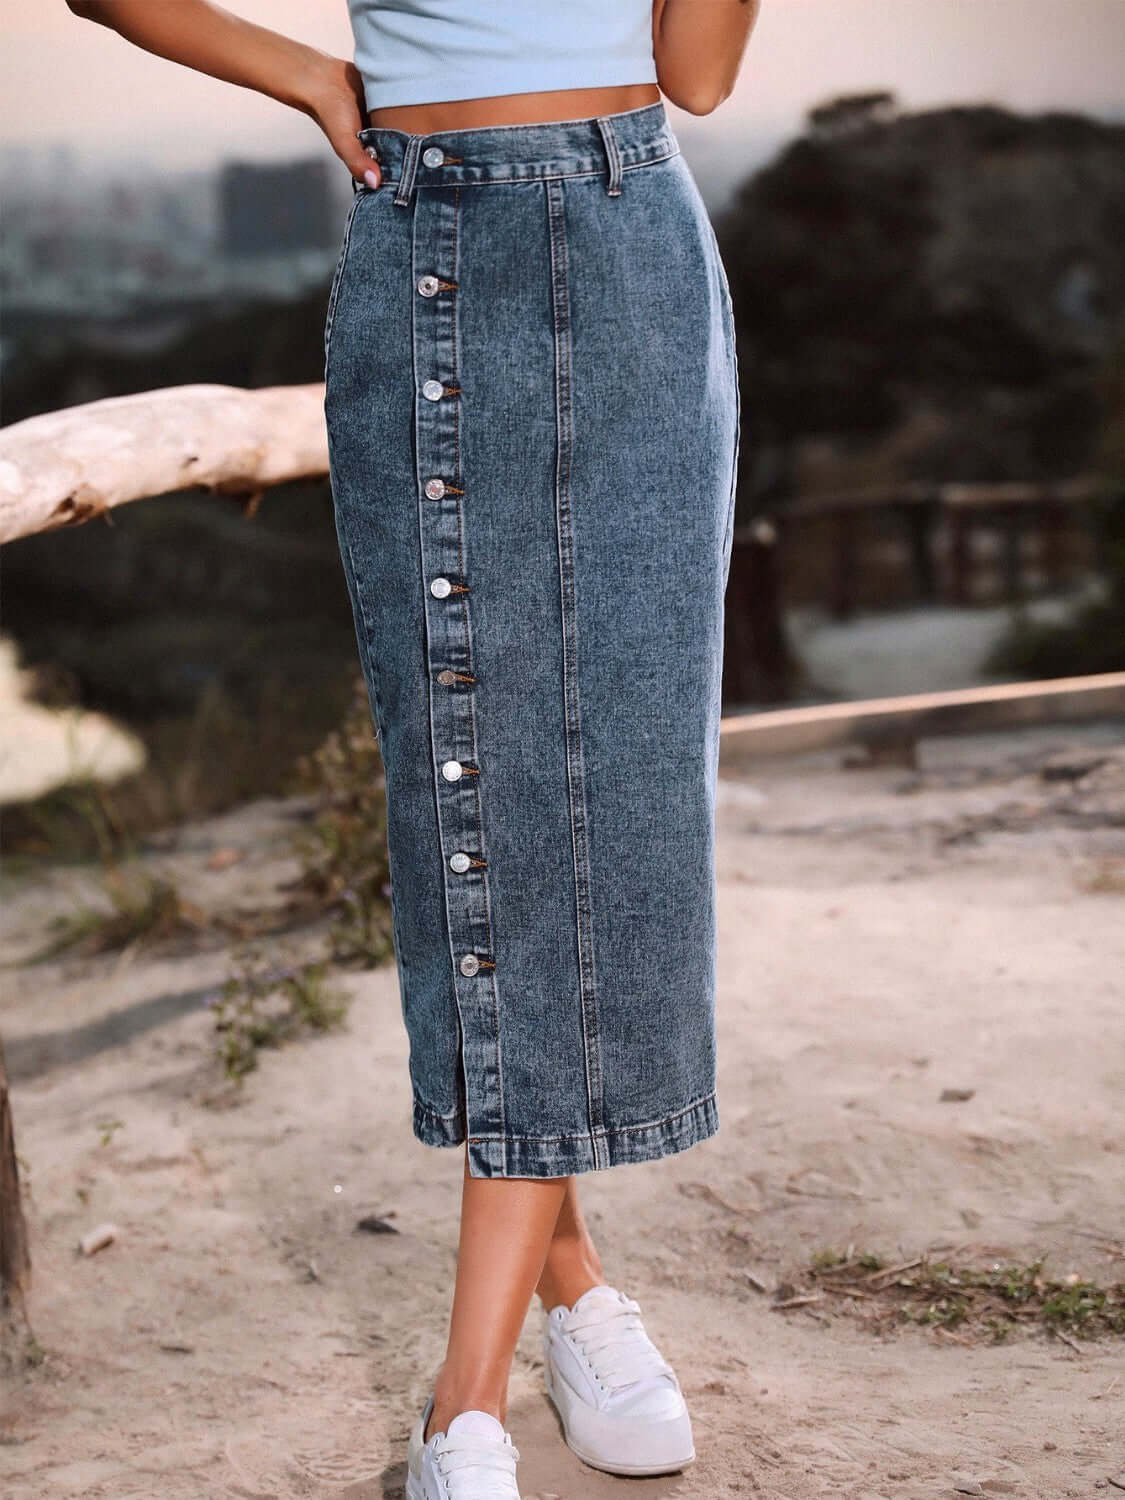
(989, 1302)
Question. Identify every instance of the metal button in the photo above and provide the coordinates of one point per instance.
(440, 587)
(470, 963)
(459, 862)
(451, 770)
(433, 390)
(428, 285)
(435, 489)
(446, 677)
(433, 156)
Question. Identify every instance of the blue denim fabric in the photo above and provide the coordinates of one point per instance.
(532, 406)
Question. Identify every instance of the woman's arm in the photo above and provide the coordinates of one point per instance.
(698, 45)
(212, 40)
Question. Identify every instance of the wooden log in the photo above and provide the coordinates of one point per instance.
(15, 1257)
(64, 467)
(1018, 494)
(786, 731)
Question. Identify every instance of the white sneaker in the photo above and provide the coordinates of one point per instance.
(474, 1459)
(621, 1405)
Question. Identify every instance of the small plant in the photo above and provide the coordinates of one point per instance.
(34, 1353)
(827, 1260)
(1082, 1306)
(76, 820)
(265, 1005)
(824, 1260)
(143, 908)
(107, 1129)
(1106, 876)
(344, 853)
(346, 872)
(946, 1312)
(991, 1301)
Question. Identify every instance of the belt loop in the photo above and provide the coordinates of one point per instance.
(613, 155)
(409, 169)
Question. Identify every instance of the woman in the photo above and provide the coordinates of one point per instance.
(532, 411)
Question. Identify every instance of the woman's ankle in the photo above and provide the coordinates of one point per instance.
(453, 1396)
(571, 1268)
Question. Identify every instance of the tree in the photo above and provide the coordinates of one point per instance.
(849, 113)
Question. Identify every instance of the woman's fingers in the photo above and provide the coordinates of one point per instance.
(361, 161)
(372, 174)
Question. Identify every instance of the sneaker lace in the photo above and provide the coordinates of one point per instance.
(476, 1468)
(620, 1352)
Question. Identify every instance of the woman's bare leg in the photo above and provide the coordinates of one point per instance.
(572, 1265)
(506, 1229)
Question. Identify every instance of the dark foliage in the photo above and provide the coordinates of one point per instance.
(965, 262)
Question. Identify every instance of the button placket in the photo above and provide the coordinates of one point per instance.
(446, 579)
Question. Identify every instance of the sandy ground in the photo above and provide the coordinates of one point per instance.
(885, 934)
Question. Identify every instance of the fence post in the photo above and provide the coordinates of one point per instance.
(843, 575)
(15, 1259)
(757, 661)
(919, 519)
(960, 555)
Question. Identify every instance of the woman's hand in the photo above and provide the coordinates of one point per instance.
(334, 99)
(212, 40)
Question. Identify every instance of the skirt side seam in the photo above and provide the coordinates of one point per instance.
(564, 417)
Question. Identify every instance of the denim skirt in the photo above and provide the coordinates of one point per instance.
(532, 408)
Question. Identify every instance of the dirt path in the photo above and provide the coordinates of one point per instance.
(885, 936)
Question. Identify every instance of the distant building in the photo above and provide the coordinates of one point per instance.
(269, 208)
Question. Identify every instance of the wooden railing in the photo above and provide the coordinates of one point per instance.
(956, 513)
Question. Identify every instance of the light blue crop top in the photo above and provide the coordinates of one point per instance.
(424, 51)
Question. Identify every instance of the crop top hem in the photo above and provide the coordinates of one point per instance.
(518, 77)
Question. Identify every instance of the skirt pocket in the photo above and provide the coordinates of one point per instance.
(337, 276)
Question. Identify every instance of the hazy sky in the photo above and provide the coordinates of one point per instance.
(64, 77)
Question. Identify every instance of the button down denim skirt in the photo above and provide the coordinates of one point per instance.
(532, 406)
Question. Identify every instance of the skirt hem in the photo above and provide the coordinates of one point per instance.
(565, 1156)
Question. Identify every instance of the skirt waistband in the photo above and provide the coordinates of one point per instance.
(604, 144)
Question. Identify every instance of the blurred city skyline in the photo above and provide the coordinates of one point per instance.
(74, 84)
